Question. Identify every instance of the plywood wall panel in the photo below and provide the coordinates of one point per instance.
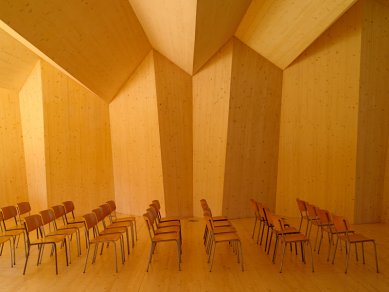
(385, 203)
(373, 123)
(13, 183)
(319, 119)
(174, 99)
(136, 144)
(253, 132)
(77, 143)
(32, 120)
(211, 95)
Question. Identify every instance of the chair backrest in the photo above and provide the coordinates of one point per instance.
(149, 223)
(24, 208)
(261, 211)
(47, 216)
(302, 205)
(112, 205)
(99, 214)
(277, 222)
(90, 220)
(157, 203)
(106, 211)
(33, 222)
(69, 206)
(267, 214)
(9, 212)
(311, 211)
(340, 224)
(323, 215)
(254, 207)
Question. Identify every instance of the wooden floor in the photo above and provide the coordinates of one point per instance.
(259, 275)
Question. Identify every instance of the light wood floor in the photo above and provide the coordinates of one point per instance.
(259, 275)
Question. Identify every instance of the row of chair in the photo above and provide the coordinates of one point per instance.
(333, 225)
(57, 225)
(218, 230)
(162, 229)
(282, 231)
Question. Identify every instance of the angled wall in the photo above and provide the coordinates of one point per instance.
(319, 121)
(373, 122)
(211, 97)
(136, 142)
(174, 99)
(253, 132)
(32, 122)
(77, 142)
(13, 183)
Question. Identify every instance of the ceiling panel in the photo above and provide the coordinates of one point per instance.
(170, 26)
(216, 23)
(16, 62)
(99, 42)
(281, 30)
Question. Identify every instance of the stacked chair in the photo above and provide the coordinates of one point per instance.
(219, 230)
(162, 229)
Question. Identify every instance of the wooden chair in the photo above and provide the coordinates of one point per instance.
(205, 206)
(114, 218)
(12, 227)
(215, 229)
(107, 212)
(161, 237)
(107, 229)
(229, 237)
(287, 230)
(91, 223)
(290, 239)
(254, 208)
(3, 240)
(303, 212)
(326, 225)
(34, 222)
(59, 213)
(157, 207)
(345, 233)
(48, 218)
(69, 212)
(313, 219)
(24, 209)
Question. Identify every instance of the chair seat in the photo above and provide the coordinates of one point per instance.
(72, 225)
(295, 237)
(219, 218)
(221, 223)
(76, 220)
(165, 237)
(355, 237)
(167, 219)
(226, 237)
(62, 232)
(224, 229)
(107, 237)
(4, 239)
(49, 239)
(168, 224)
(167, 229)
(14, 232)
(120, 224)
(113, 230)
(123, 219)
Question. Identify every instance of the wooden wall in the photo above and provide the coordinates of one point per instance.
(253, 132)
(77, 143)
(211, 97)
(385, 205)
(174, 99)
(32, 123)
(319, 119)
(136, 144)
(373, 123)
(13, 184)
